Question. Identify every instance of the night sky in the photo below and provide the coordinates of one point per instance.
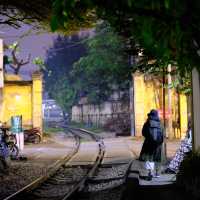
(34, 43)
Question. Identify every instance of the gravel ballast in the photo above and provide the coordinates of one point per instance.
(21, 173)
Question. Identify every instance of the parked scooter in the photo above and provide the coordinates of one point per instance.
(32, 135)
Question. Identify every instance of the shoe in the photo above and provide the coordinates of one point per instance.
(156, 176)
(147, 178)
(170, 171)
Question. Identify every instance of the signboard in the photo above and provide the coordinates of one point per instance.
(167, 113)
(16, 124)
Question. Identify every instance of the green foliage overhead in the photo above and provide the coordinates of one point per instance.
(16, 13)
(66, 16)
(168, 30)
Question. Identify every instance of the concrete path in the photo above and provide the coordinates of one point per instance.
(135, 144)
(87, 154)
(117, 149)
(50, 150)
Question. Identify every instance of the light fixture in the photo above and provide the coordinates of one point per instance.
(17, 97)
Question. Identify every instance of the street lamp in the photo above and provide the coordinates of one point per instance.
(49, 108)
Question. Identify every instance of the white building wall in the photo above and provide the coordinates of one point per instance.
(96, 113)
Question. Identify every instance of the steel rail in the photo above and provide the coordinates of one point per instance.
(91, 172)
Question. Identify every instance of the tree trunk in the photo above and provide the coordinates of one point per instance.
(16, 70)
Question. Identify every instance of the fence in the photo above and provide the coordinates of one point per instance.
(97, 120)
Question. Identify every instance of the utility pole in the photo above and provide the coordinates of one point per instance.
(132, 109)
(169, 91)
(131, 94)
(164, 104)
(164, 151)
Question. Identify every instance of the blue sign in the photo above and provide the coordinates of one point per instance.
(16, 124)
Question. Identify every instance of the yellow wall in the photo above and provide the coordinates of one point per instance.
(17, 101)
(183, 115)
(145, 98)
(22, 98)
(37, 100)
(151, 100)
(148, 95)
(139, 106)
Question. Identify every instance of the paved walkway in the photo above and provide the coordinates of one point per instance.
(50, 150)
(135, 144)
(117, 150)
(137, 171)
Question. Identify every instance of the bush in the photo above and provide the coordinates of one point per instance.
(188, 176)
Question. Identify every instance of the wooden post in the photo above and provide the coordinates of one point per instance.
(196, 108)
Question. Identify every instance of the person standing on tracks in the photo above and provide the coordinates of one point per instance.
(152, 146)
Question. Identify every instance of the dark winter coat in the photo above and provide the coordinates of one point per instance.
(152, 146)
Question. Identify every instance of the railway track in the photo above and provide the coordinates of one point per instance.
(107, 175)
(62, 181)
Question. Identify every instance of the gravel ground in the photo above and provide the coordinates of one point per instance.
(104, 174)
(20, 174)
(112, 172)
(23, 172)
(113, 194)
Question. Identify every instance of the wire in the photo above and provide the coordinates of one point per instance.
(27, 34)
(75, 43)
(68, 46)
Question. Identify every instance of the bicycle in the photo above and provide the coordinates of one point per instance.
(10, 141)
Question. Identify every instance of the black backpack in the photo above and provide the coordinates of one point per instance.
(156, 132)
